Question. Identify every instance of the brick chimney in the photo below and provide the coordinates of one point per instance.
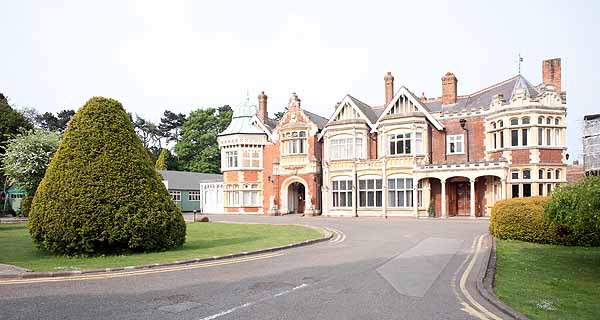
(389, 87)
(449, 83)
(551, 73)
(262, 106)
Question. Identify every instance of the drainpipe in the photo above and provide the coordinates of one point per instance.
(463, 123)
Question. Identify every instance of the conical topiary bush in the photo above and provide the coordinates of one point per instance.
(101, 193)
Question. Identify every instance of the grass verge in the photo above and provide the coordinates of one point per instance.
(202, 240)
(549, 282)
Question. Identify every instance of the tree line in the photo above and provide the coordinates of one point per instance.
(178, 141)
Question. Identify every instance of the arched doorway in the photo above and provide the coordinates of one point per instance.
(296, 198)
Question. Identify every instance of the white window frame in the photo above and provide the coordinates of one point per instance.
(458, 140)
(346, 148)
(295, 142)
(395, 139)
(243, 195)
(175, 196)
(399, 194)
(194, 196)
(342, 195)
(369, 187)
(252, 156)
(231, 159)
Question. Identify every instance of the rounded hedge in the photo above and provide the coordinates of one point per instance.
(100, 193)
(523, 219)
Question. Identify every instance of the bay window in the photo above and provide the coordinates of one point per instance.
(399, 143)
(231, 159)
(345, 148)
(251, 158)
(244, 195)
(294, 142)
(370, 192)
(400, 193)
(342, 193)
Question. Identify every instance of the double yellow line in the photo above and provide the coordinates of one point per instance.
(120, 274)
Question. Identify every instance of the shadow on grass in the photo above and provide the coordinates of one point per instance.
(13, 226)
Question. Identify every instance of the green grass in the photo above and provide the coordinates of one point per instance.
(549, 282)
(202, 240)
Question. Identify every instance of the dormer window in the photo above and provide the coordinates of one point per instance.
(294, 142)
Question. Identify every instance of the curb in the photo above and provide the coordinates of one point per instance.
(54, 274)
(485, 284)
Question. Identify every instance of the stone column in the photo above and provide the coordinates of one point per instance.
(384, 187)
(503, 187)
(472, 197)
(415, 197)
(443, 198)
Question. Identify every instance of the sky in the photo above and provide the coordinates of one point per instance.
(184, 55)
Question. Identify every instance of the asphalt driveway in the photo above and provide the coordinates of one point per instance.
(371, 269)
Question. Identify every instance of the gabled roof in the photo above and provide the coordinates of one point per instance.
(415, 101)
(482, 99)
(181, 180)
(363, 109)
(316, 119)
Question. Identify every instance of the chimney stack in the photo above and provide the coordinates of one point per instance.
(262, 106)
(449, 83)
(551, 73)
(389, 87)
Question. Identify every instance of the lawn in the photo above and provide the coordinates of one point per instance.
(202, 240)
(549, 282)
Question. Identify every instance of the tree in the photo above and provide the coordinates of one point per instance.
(101, 193)
(150, 135)
(27, 156)
(11, 122)
(63, 118)
(170, 125)
(279, 115)
(198, 150)
(47, 121)
(161, 162)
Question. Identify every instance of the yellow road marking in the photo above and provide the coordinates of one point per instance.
(143, 271)
(463, 286)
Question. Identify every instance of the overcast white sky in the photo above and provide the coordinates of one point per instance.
(184, 55)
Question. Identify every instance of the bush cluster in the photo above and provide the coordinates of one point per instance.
(100, 193)
(523, 219)
(576, 207)
(26, 205)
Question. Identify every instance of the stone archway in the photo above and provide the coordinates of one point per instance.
(295, 195)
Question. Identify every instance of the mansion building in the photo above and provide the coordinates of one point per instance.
(455, 155)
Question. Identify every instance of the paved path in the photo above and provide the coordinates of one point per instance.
(370, 269)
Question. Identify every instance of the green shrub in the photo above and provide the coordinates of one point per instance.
(576, 207)
(26, 205)
(523, 219)
(100, 193)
